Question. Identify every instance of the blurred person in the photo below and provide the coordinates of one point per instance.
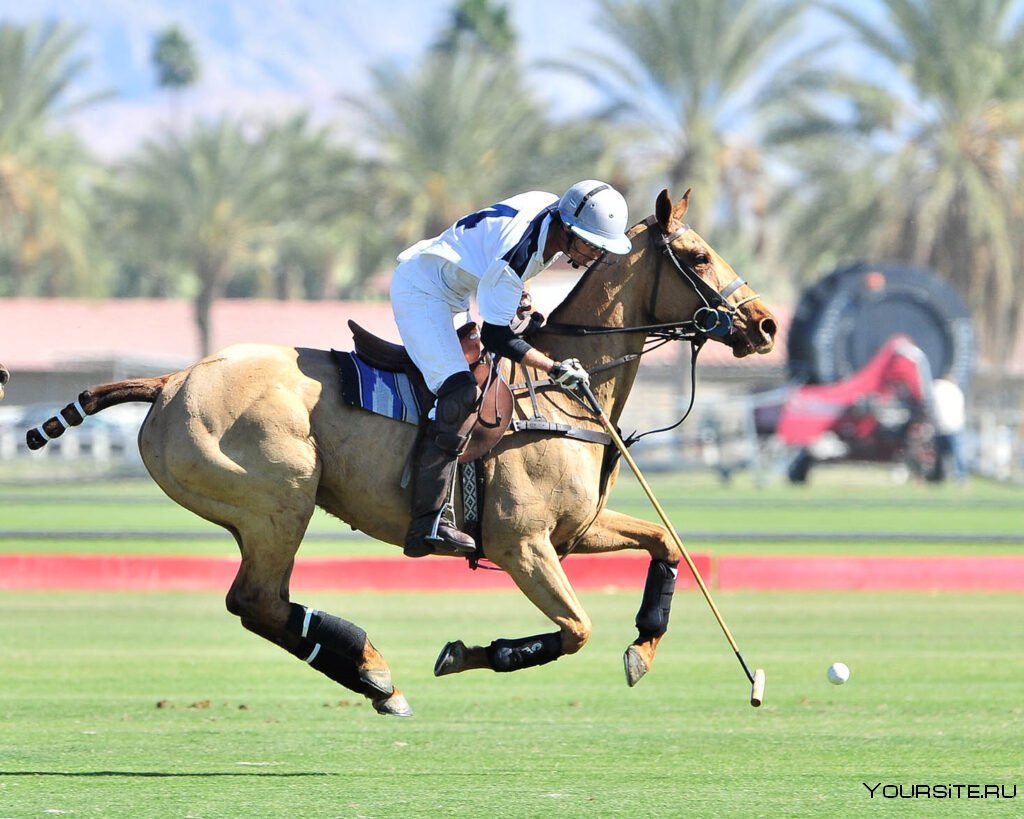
(490, 254)
(949, 417)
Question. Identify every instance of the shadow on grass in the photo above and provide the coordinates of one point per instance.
(161, 774)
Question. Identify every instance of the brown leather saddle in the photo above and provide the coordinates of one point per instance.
(494, 410)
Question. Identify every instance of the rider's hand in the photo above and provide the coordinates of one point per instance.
(569, 374)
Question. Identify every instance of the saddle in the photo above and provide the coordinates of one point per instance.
(493, 414)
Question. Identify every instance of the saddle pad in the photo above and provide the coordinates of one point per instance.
(389, 394)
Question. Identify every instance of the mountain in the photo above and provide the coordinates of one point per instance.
(265, 57)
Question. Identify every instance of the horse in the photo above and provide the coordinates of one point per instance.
(255, 437)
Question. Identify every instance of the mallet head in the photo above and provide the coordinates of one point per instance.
(757, 689)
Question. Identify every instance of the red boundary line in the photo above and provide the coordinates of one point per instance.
(987, 573)
(117, 572)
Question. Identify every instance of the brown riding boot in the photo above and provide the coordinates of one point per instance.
(433, 515)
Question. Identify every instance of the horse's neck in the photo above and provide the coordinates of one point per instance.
(612, 299)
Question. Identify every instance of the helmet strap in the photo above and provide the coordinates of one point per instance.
(599, 261)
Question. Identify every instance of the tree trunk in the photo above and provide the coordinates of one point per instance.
(209, 274)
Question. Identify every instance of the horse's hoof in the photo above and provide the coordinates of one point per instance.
(394, 706)
(451, 660)
(636, 666)
(379, 679)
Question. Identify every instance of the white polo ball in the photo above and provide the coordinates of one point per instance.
(838, 673)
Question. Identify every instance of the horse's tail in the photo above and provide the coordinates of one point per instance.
(143, 390)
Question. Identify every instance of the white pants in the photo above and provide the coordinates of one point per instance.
(425, 311)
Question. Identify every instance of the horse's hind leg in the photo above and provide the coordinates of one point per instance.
(613, 531)
(340, 650)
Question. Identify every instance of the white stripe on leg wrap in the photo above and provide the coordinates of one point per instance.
(313, 653)
(305, 621)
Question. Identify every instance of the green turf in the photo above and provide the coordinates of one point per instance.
(852, 511)
(247, 731)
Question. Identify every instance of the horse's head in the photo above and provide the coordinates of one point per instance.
(726, 308)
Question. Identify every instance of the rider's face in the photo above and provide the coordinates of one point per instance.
(580, 252)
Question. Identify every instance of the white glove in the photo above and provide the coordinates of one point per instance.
(569, 374)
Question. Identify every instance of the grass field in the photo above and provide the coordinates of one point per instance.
(854, 511)
(160, 705)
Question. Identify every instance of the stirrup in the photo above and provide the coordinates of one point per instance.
(464, 545)
(441, 533)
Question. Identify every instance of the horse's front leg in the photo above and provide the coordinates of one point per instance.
(535, 568)
(613, 531)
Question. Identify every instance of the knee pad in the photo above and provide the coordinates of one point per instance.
(456, 399)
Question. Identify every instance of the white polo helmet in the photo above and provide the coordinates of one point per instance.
(596, 212)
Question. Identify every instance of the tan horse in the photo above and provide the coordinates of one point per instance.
(254, 438)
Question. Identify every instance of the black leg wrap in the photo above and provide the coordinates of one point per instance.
(652, 619)
(342, 670)
(525, 652)
(337, 635)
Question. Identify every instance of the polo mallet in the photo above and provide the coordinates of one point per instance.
(757, 678)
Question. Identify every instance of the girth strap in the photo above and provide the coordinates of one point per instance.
(471, 476)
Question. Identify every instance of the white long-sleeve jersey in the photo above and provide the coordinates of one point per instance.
(493, 251)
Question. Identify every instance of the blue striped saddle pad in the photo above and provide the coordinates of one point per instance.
(385, 393)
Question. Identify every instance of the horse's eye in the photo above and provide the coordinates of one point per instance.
(701, 258)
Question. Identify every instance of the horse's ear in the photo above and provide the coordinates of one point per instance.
(663, 209)
(679, 211)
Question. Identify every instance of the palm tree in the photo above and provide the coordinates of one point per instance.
(928, 172)
(174, 59)
(687, 92)
(321, 230)
(460, 130)
(46, 176)
(176, 64)
(207, 202)
(483, 23)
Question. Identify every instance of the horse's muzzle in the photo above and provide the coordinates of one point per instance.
(755, 337)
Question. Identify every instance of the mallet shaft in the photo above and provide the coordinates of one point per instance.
(757, 679)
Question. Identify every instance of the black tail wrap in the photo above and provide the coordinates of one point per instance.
(652, 619)
(524, 652)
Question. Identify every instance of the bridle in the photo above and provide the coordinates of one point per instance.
(714, 317)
